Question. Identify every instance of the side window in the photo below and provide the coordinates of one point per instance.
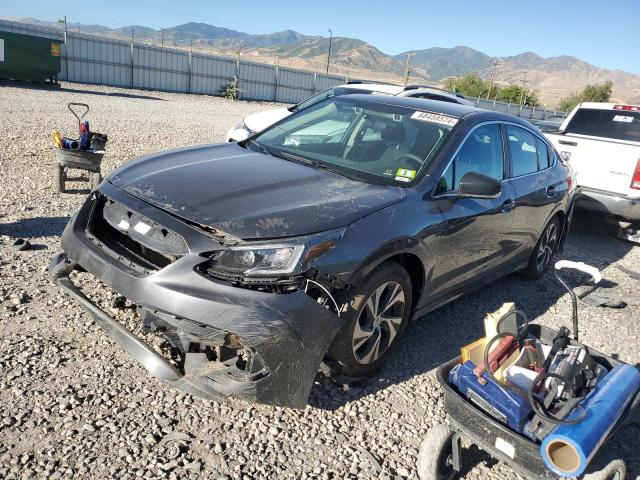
(481, 153)
(523, 152)
(543, 154)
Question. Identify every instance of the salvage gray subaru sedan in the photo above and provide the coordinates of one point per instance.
(315, 240)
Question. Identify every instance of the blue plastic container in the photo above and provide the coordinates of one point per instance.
(498, 401)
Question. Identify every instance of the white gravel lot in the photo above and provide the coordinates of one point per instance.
(73, 405)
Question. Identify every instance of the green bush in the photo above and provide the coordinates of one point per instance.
(518, 95)
(472, 85)
(590, 93)
(232, 90)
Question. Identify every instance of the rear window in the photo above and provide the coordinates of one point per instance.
(331, 92)
(615, 124)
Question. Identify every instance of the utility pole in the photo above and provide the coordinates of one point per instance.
(133, 35)
(524, 87)
(491, 76)
(66, 62)
(329, 52)
(65, 28)
(162, 37)
(407, 68)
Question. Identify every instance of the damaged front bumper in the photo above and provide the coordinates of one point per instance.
(231, 341)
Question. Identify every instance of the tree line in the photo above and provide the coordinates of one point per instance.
(472, 85)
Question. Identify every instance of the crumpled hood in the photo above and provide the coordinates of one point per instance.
(250, 195)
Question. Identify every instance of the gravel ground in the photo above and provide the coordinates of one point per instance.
(72, 404)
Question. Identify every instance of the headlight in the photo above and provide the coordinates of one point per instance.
(252, 261)
(280, 259)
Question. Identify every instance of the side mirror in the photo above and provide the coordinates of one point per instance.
(475, 185)
(292, 108)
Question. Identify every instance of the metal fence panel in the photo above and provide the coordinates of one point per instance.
(294, 85)
(327, 81)
(257, 81)
(99, 60)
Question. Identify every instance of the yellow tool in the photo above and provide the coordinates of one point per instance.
(57, 139)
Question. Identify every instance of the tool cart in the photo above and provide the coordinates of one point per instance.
(544, 422)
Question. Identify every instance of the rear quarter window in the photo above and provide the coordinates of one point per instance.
(614, 124)
(522, 151)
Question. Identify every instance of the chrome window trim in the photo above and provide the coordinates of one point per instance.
(505, 151)
(535, 135)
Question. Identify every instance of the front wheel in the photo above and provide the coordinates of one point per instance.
(376, 313)
(544, 251)
(435, 457)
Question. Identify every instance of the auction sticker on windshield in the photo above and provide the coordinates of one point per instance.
(435, 118)
(404, 175)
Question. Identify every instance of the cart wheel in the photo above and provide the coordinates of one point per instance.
(58, 178)
(606, 468)
(436, 454)
(94, 179)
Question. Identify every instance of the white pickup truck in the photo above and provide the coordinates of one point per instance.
(601, 141)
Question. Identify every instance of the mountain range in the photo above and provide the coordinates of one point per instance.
(551, 78)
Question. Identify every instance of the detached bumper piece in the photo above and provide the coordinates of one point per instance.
(221, 366)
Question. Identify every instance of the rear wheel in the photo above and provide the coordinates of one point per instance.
(544, 251)
(376, 315)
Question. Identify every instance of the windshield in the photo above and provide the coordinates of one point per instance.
(616, 124)
(331, 92)
(363, 140)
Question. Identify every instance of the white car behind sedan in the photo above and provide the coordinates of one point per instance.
(257, 122)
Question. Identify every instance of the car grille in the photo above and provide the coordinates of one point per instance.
(137, 242)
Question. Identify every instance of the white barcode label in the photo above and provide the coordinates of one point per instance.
(434, 118)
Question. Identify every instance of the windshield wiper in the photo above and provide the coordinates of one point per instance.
(313, 163)
(261, 147)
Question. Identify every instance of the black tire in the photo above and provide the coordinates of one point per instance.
(606, 467)
(435, 454)
(58, 178)
(545, 249)
(358, 356)
(94, 180)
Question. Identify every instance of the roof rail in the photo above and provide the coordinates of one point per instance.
(358, 82)
(418, 86)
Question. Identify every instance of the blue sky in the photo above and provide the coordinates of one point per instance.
(604, 33)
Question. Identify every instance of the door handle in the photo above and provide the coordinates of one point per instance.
(508, 205)
(568, 142)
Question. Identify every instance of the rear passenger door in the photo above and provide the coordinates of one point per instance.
(535, 185)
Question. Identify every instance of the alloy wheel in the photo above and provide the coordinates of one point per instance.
(547, 246)
(378, 323)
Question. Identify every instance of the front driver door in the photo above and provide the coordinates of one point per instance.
(475, 234)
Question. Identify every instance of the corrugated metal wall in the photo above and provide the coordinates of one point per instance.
(99, 60)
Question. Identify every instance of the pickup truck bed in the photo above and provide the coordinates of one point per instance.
(602, 143)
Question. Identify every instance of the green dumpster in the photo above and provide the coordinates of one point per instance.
(27, 57)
